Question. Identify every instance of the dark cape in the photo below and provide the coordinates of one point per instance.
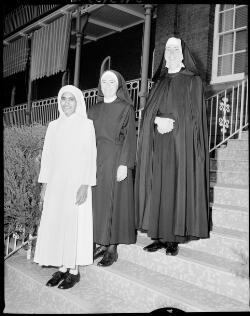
(113, 202)
(172, 170)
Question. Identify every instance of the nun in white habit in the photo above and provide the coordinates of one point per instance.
(68, 170)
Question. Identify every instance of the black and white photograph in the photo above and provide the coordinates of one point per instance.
(125, 157)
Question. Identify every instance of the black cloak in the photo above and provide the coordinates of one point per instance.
(172, 170)
(113, 202)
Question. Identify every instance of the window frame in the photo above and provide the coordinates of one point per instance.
(225, 78)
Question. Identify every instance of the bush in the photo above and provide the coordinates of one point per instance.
(22, 152)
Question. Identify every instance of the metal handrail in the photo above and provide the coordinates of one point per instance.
(45, 110)
(227, 117)
(227, 114)
(27, 242)
(227, 110)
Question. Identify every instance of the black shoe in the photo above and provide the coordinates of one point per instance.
(156, 245)
(172, 248)
(108, 259)
(56, 278)
(99, 251)
(69, 281)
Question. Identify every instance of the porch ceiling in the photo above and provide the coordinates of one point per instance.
(107, 19)
(104, 19)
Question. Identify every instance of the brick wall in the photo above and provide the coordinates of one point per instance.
(164, 27)
(194, 25)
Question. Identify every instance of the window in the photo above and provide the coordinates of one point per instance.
(230, 42)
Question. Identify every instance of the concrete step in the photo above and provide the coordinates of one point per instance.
(205, 270)
(223, 242)
(240, 165)
(229, 177)
(153, 290)
(236, 218)
(245, 135)
(26, 292)
(241, 144)
(230, 153)
(228, 194)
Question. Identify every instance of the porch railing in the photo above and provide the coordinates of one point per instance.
(227, 114)
(44, 111)
(15, 241)
(227, 111)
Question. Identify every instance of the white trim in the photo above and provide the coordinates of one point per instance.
(104, 24)
(232, 77)
(22, 34)
(92, 38)
(235, 52)
(124, 8)
(111, 32)
(63, 11)
(86, 41)
(234, 40)
(133, 24)
(91, 8)
(215, 44)
(236, 6)
(228, 78)
(242, 28)
(42, 24)
(104, 35)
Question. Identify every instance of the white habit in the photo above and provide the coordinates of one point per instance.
(65, 235)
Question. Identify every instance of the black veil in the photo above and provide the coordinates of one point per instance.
(188, 61)
(122, 91)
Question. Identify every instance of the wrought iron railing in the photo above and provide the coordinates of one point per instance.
(17, 240)
(227, 111)
(44, 111)
(227, 114)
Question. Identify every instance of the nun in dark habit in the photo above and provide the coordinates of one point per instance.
(172, 171)
(113, 196)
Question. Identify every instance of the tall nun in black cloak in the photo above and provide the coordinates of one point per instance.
(172, 171)
(113, 196)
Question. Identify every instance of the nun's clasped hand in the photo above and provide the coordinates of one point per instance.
(164, 125)
(81, 194)
(122, 173)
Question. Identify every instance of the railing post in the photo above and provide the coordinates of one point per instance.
(29, 102)
(13, 96)
(242, 107)
(29, 247)
(223, 122)
(7, 245)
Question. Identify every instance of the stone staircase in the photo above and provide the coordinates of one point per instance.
(206, 276)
